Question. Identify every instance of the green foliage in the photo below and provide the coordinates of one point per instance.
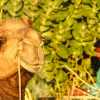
(69, 29)
(98, 77)
(39, 88)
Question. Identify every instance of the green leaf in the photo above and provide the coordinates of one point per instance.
(48, 35)
(98, 3)
(78, 2)
(62, 51)
(86, 11)
(59, 16)
(60, 76)
(2, 2)
(39, 88)
(98, 77)
(87, 1)
(89, 49)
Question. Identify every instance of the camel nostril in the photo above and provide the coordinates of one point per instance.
(2, 41)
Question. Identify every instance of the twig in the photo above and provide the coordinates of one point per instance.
(90, 76)
(19, 78)
(28, 95)
(80, 98)
(81, 80)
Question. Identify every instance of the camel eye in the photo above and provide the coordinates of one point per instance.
(2, 41)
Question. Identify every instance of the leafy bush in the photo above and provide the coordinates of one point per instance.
(69, 29)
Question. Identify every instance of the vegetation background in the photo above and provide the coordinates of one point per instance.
(69, 29)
